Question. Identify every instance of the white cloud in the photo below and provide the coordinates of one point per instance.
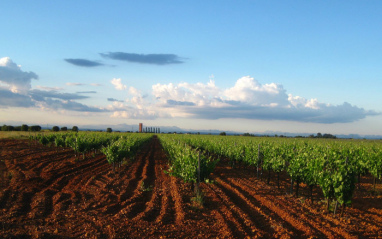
(198, 94)
(16, 91)
(74, 84)
(49, 88)
(17, 81)
(250, 91)
(11, 99)
(135, 114)
(95, 84)
(248, 99)
(118, 84)
(134, 91)
(136, 107)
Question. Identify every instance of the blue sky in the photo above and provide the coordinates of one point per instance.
(251, 66)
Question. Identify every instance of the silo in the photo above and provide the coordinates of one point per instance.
(140, 127)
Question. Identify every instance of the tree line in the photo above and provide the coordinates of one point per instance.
(34, 128)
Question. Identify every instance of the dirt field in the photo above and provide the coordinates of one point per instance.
(45, 193)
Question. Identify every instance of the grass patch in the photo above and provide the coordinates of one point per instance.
(21, 134)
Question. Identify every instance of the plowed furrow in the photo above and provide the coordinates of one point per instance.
(161, 207)
(259, 221)
(335, 225)
(42, 204)
(75, 170)
(154, 206)
(100, 180)
(39, 166)
(83, 176)
(167, 212)
(229, 213)
(227, 228)
(15, 171)
(298, 227)
(74, 179)
(289, 214)
(23, 204)
(163, 193)
(165, 205)
(130, 185)
(153, 209)
(137, 203)
(127, 190)
(148, 183)
(178, 202)
(48, 153)
(44, 199)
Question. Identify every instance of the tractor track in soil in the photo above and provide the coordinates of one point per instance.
(46, 193)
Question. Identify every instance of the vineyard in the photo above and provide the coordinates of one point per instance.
(122, 185)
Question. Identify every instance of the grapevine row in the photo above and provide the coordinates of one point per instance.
(115, 147)
(333, 166)
(184, 160)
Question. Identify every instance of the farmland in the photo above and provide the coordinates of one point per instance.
(54, 190)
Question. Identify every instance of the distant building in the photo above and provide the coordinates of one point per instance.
(140, 127)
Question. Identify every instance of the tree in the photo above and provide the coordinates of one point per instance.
(109, 130)
(75, 129)
(24, 127)
(329, 136)
(64, 128)
(55, 129)
(223, 134)
(10, 128)
(35, 128)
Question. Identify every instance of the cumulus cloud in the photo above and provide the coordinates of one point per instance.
(157, 59)
(198, 95)
(83, 62)
(16, 91)
(68, 105)
(118, 84)
(53, 100)
(136, 106)
(10, 99)
(17, 81)
(249, 99)
(247, 89)
(246, 98)
(42, 94)
(134, 91)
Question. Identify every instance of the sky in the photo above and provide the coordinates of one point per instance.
(247, 66)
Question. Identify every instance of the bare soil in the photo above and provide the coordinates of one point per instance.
(46, 193)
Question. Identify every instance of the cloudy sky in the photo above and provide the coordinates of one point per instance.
(249, 66)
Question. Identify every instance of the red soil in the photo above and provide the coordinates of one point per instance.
(46, 193)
